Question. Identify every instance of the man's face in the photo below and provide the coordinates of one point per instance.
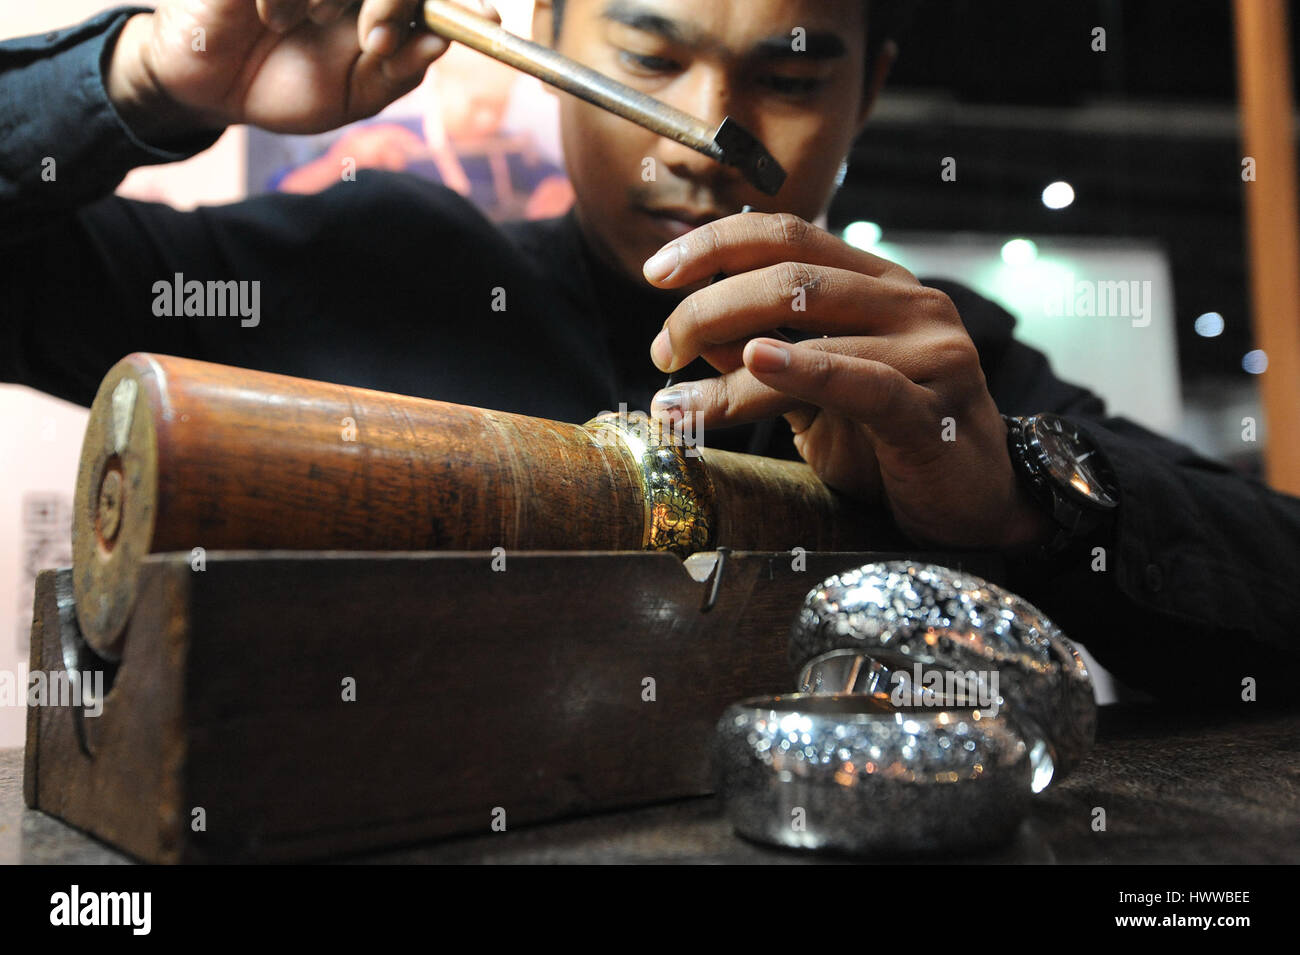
(710, 58)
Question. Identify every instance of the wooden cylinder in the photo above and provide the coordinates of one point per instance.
(182, 455)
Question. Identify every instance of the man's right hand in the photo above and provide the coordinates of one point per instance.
(289, 66)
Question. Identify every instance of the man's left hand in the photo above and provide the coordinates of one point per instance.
(890, 404)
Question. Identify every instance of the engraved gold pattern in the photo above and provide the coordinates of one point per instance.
(674, 480)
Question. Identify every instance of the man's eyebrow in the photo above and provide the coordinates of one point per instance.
(637, 17)
(815, 46)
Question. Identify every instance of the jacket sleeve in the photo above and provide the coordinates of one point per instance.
(329, 285)
(64, 144)
(63, 235)
(1195, 589)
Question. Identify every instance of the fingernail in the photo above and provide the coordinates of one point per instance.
(674, 403)
(767, 357)
(661, 350)
(377, 40)
(663, 263)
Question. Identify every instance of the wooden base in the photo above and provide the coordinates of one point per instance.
(227, 734)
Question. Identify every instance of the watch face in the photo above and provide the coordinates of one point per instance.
(1072, 460)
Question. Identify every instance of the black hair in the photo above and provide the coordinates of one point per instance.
(886, 18)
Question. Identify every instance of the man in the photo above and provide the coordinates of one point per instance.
(1177, 573)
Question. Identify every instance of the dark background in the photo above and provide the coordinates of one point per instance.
(1145, 132)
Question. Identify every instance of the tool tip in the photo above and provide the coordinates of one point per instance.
(742, 149)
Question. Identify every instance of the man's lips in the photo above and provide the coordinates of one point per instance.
(679, 220)
(690, 216)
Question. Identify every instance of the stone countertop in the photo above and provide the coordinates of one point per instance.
(1177, 787)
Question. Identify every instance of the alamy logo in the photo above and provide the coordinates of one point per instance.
(1100, 299)
(945, 688)
(56, 688)
(103, 908)
(208, 299)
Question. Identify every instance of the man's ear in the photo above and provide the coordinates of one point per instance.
(881, 64)
(543, 23)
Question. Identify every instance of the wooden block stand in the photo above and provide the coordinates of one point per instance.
(475, 689)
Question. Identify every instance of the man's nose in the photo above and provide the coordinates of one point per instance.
(707, 95)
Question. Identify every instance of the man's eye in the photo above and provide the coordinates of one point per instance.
(793, 85)
(645, 63)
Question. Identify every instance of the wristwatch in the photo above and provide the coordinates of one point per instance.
(1066, 472)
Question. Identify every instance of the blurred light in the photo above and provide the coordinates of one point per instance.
(1058, 195)
(1209, 325)
(862, 235)
(1254, 361)
(1019, 252)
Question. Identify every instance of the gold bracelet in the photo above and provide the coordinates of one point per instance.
(675, 483)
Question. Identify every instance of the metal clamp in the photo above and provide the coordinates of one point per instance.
(80, 662)
(714, 584)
